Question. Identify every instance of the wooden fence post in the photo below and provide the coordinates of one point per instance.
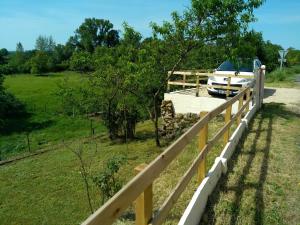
(227, 119)
(257, 89)
(262, 83)
(228, 86)
(247, 98)
(197, 85)
(203, 136)
(239, 118)
(184, 78)
(143, 204)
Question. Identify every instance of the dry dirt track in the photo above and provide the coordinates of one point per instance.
(288, 96)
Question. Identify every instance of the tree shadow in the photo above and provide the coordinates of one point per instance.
(267, 114)
(23, 124)
(269, 92)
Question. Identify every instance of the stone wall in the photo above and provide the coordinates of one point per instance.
(174, 124)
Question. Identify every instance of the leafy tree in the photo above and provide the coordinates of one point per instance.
(81, 61)
(18, 59)
(45, 44)
(293, 57)
(3, 55)
(95, 32)
(19, 47)
(40, 63)
(271, 55)
(206, 21)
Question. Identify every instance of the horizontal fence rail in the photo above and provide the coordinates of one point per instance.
(139, 189)
(200, 75)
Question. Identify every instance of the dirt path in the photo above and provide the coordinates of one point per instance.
(288, 96)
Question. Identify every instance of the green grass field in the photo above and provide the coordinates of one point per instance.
(46, 125)
(44, 189)
(48, 188)
(284, 78)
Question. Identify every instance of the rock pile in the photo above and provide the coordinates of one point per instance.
(168, 116)
(175, 124)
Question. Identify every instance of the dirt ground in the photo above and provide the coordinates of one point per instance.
(288, 96)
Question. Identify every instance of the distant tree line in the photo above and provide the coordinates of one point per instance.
(82, 51)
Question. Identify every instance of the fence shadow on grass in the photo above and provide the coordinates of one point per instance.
(266, 116)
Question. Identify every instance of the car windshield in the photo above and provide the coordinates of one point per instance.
(241, 66)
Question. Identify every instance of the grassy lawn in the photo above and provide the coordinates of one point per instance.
(262, 186)
(284, 78)
(48, 188)
(263, 183)
(46, 124)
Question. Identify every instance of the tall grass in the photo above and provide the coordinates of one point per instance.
(284, 75)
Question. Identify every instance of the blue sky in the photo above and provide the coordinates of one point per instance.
(24, 20)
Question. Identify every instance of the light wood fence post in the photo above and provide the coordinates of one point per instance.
(143, 204)
(239, 118)
(184, 79)
(228, 87)
(197, 85)
(203, 137)
(227, 119)
(247, 98)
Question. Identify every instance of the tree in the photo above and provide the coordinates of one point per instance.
(205, 22)
(40, 63)
(95, 32)
(271, 55)
(19, 47)
(18, 59)
(293, 57)
(3, 55)
(81, 61)
(45, 44)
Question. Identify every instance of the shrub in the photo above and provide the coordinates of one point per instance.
(107, 181)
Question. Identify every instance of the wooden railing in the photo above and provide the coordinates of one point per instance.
(192, 78)
(139, 189)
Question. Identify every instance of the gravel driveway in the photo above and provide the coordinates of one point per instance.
(288, 96)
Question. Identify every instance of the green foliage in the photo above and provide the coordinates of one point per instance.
(284, 75)
(293, 57)
(81, 61)
(40, 63)
(107, 180)
(45, 44)
(17, 61)
(95, 32)
(3, 56)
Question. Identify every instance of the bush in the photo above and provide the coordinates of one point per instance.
(7, 69)
(107, 181)
(81, 61)
(286, 74)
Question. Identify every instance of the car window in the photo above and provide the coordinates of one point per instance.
(240, 65)
(226, 66)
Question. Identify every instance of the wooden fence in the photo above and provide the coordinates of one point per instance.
(192, 78)
(139, 189)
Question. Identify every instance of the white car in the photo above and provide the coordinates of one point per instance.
(229, 68)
